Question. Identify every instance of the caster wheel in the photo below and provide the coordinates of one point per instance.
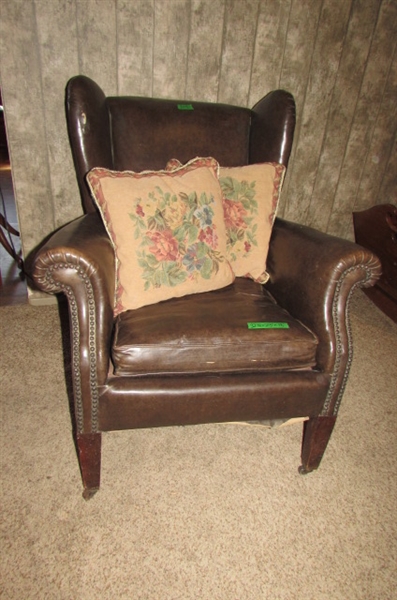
(303, 471)
(89, 493)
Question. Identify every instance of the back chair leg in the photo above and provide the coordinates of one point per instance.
(316, 435)
(89, 454)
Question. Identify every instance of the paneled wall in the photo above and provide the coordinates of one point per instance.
(338, 58)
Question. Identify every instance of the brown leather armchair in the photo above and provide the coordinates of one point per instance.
(286, 373)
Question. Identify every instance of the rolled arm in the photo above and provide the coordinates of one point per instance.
(78, 260)
(313, 275)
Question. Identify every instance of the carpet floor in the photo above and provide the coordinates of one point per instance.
(215, 512)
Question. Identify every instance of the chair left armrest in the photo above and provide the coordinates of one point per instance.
(312, 275)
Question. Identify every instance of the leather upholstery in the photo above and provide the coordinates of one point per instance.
(193, 360)
(147, 134)
(210, 398)
(197, 335)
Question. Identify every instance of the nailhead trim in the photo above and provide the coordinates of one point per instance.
(339, 345)
(76, 367)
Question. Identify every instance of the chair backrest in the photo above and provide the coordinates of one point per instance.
(133, 133)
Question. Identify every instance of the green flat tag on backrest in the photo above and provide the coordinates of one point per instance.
(185, 107)
(267, 325)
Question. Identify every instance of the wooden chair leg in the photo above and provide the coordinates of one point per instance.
(316, 435)
(89, 454)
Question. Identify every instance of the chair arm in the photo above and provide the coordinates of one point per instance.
(78, 260)
(313, 275)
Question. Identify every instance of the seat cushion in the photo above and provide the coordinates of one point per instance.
(209, 333)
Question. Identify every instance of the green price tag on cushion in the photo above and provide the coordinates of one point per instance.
(185, 107)
(267, 325)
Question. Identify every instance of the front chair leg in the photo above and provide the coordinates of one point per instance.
(89, 454)
(316, 435)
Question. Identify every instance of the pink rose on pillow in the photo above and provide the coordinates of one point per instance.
(234, 213)
(165, 246)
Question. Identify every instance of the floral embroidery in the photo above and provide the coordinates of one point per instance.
(178, 239)
(165, 246)
(239, 207)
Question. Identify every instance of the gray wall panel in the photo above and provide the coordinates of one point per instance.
(295, 70)
(59, 61)
(383, 142)
(346, 91)
(238, 50)
(388, 187)
(367, 109)
(25, 120)
(269, 50)
(205, 49)
(170, 52)
(135, 29)
(324, 65)
(97, 38)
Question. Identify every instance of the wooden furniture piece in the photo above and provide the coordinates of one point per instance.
(299, 371)
(7, 243)
(376, 229)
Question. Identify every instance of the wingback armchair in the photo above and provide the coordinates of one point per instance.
(192, 360)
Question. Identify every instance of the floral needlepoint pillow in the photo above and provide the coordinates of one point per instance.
(250, 199)
(167, 229)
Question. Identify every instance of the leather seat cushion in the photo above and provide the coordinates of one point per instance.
(208, 333)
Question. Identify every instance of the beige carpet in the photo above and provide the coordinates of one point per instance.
(208, 512)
